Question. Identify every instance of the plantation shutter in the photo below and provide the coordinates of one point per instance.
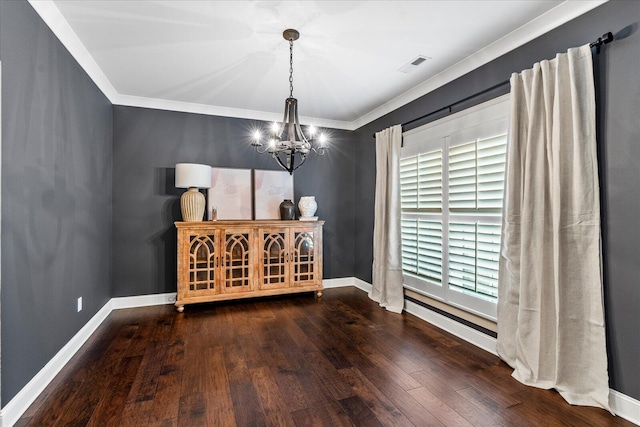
(421, 188)
(462, 256)
(452, 180)
(490, 164)
(476, 181)
(474, 249)
(462, 176)
(476, 174)
(487, 254)
(422, 248)
(421, 181)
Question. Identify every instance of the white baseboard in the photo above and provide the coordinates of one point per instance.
(21, 401)
(477, 338)
(625, 406)
(337, 283)
(143, 300)
(622, 405)
(458, 329)
(362, 285)
(25, 397)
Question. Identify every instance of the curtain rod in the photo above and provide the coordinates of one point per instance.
(606, 38)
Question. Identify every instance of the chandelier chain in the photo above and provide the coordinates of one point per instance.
(291, 68)
(287, 143)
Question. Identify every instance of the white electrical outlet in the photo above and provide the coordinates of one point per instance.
(80, 304)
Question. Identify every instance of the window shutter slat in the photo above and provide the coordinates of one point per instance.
(491, 163)
(462, 252)
(462, 176)
(408, 232)
(430, 181)
(476, 174)
(430, 250)
(408, 183)
(473, 258)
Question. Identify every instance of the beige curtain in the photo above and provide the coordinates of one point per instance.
(550, 306)
(387, 244)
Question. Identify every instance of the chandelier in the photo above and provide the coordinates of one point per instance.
(286, 139)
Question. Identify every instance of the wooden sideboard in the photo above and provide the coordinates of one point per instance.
(223, 260)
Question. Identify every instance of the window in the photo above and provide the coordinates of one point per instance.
(451, 177)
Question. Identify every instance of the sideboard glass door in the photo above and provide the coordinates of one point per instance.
(237, 267)
(274, 272)
(304, 260)
(202, 264)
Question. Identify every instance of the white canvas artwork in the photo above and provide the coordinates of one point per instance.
(230, 194)
(270, 189)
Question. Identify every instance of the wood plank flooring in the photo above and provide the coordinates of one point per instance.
(291, 361)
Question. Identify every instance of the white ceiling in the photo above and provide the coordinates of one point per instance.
(229, 58)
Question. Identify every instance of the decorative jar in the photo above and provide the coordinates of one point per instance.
(307, 206)
(287, 210)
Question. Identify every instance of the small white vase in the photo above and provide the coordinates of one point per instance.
(307, 206)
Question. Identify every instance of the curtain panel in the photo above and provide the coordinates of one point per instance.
(550, 306)
(387, 278)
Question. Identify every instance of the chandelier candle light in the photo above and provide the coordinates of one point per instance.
(286, 139)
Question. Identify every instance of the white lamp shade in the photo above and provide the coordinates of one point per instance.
(193, 175)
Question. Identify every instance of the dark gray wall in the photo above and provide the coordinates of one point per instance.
(147, 145)
(618, 87)
(56, 195)
(57, 185)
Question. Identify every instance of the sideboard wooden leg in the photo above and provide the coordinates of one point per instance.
(319, 294)
(180, 308)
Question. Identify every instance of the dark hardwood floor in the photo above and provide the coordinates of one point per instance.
(296, 360)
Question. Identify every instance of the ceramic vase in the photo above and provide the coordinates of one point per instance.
(307, 206)
(287, 210)
(192, 204)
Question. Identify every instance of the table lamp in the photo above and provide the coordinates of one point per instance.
(192, 176)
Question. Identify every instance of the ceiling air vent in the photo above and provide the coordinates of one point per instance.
(410, 66)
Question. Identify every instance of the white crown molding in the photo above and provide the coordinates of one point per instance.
(621, 404)
(51, 15)
(555, 17)
(213, 110)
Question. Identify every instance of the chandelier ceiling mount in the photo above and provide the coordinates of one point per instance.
(287, 143)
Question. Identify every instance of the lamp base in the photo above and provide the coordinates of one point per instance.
(192, 205)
